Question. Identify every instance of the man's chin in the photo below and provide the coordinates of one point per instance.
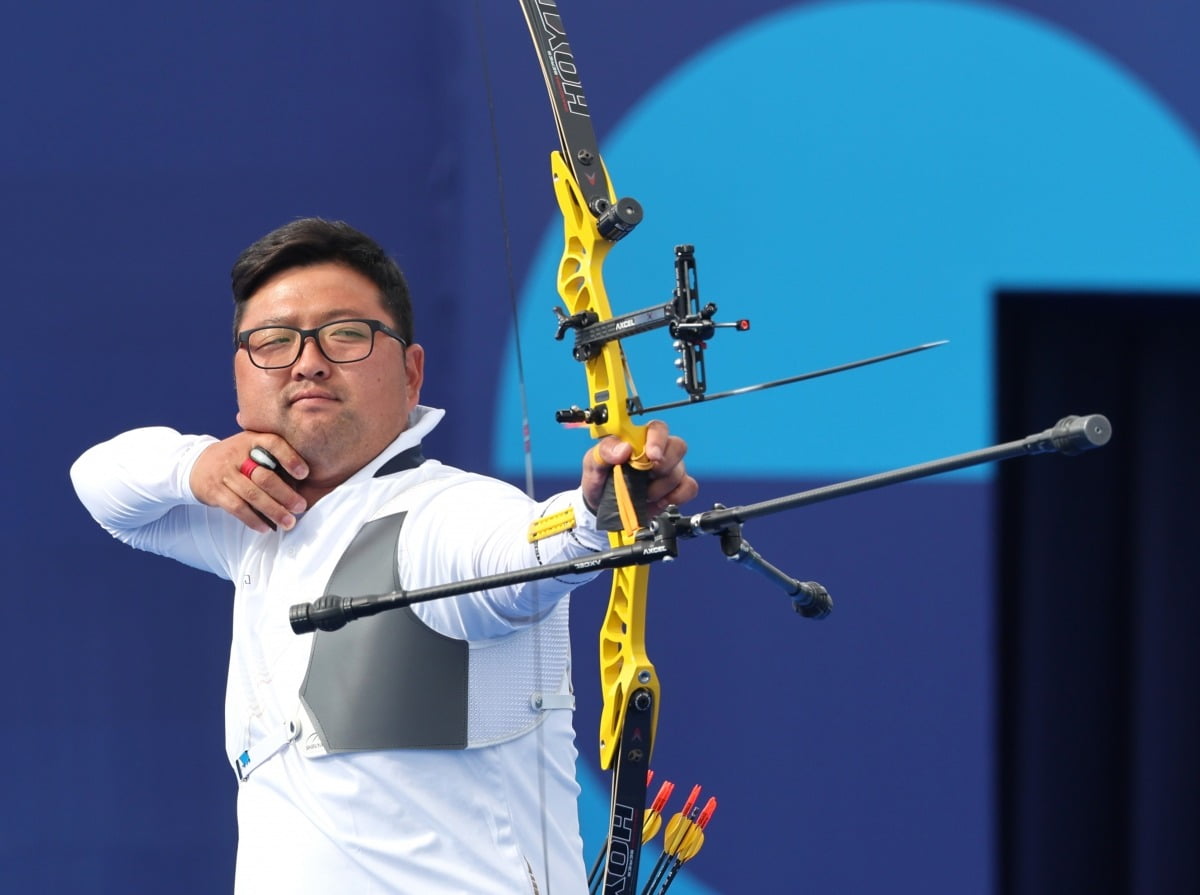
(315, 439)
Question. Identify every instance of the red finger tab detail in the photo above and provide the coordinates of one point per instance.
(248, 466)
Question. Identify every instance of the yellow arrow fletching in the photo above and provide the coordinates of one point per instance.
(677, 828)
(651, 825)
(693, 840)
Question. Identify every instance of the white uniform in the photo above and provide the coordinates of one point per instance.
(498, 818)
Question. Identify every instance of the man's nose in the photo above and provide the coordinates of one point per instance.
(312, 362)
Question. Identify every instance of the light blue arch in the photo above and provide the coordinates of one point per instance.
(859, 177)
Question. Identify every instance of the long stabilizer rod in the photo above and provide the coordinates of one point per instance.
(1071, 435)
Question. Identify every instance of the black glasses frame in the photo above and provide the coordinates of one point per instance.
(376, 326)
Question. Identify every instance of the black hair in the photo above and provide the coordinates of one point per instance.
(310, 241)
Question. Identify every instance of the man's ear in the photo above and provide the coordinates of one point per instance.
(414, 366)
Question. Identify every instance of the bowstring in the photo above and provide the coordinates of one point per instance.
(493, 131)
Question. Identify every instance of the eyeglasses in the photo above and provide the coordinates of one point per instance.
(341, 341)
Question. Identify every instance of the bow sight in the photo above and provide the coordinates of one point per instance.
(691, 326)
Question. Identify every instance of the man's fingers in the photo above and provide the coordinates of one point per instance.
(253, 506)
(676, 489)
(669, 482)
(267, 494)
(658, 438)
(275, 448)
(673, 451)
(659, 448)
(609, 452)
(232, 476)
(276, 488)
(230, 498)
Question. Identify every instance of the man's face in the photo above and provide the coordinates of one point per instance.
(337, 416)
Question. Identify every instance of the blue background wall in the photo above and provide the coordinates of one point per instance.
(857, 177)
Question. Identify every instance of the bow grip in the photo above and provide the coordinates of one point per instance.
(622, 505)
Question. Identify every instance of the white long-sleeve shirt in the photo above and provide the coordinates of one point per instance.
(500, 818)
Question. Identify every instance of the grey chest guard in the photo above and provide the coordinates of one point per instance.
(388, 681)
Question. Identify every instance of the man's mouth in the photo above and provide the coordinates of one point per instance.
(310, 396)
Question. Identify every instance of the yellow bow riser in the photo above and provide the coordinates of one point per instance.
(624, 666)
